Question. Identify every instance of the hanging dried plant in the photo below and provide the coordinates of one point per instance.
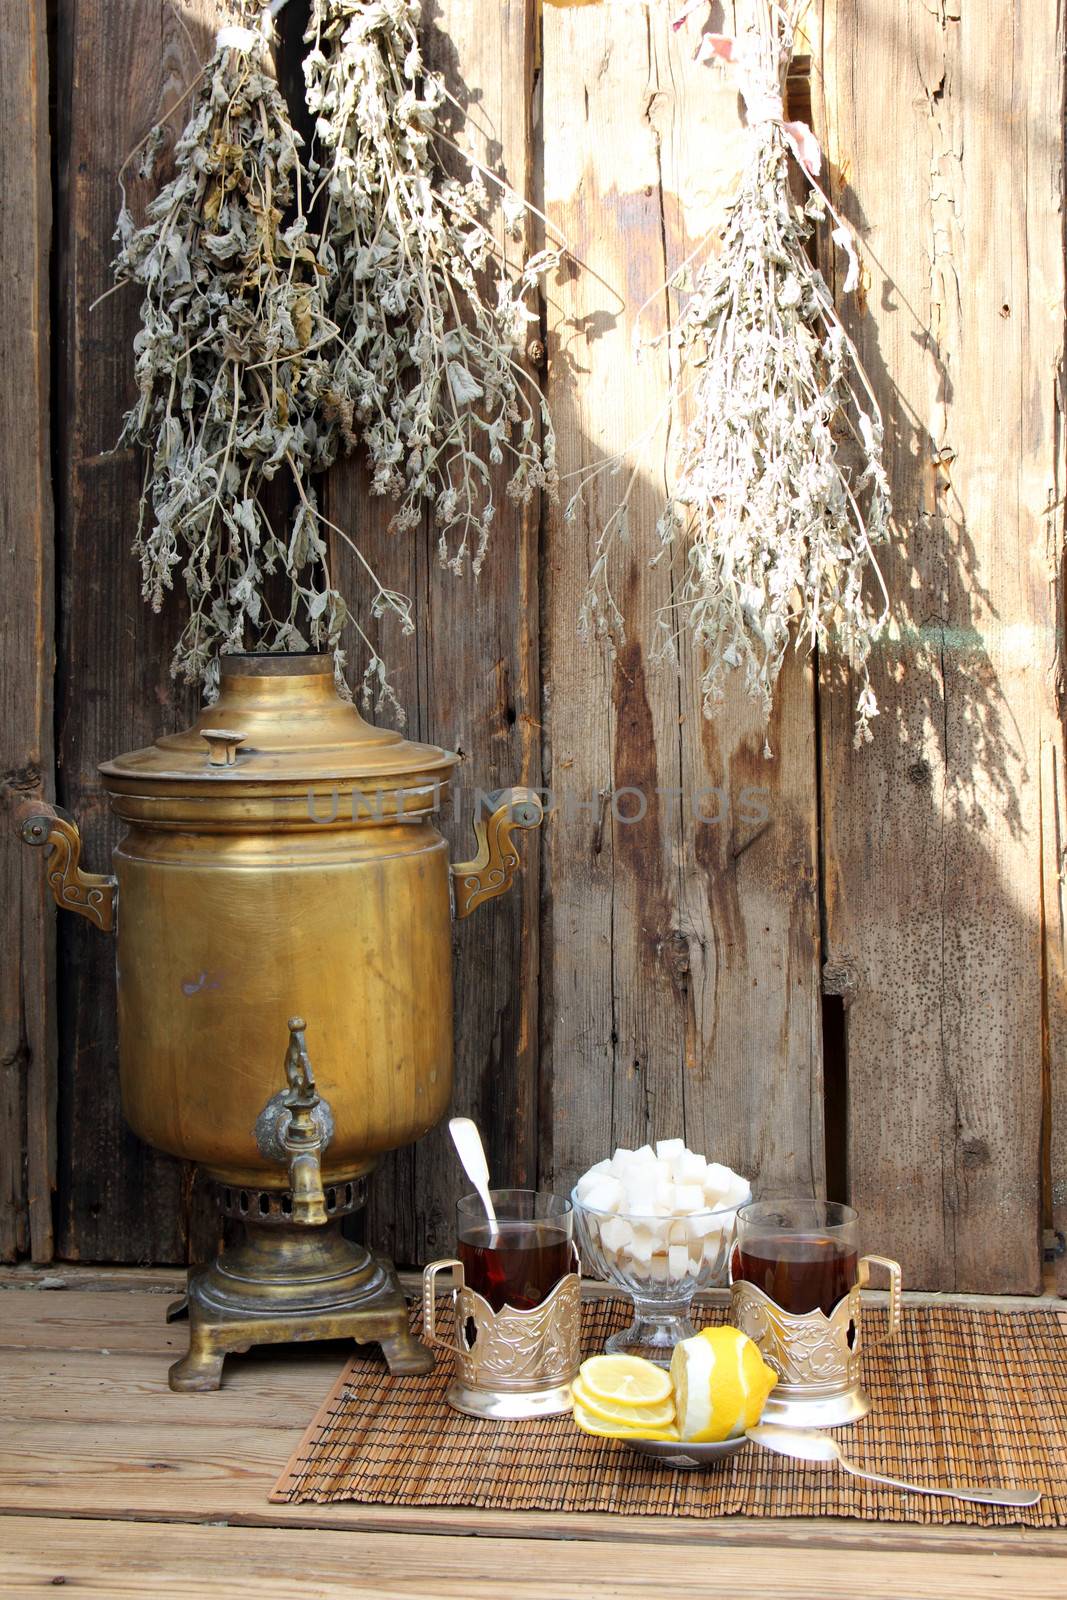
(231, 366)
(426, 372)
(776, 521)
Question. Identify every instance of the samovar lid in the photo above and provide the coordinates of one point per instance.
(278, 721)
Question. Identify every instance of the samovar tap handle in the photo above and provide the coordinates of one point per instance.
(90, 894)
(302, 1138)
(295, 1126)
(493, 869)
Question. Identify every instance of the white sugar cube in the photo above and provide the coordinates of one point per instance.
(621, 1157)
(690, 1168)
(676, 1233)
(678, 1261)
(615, 1234)
(642, 1246)
(604, 1194)
(688, 1197)
(717, 1180)
(588, 1179)
(646, 1154)
(640, 1194)
(665, 1191)
(738, 1192)
(658, 1268)
(713, 1247)
(667, 1149)
(703, 1223)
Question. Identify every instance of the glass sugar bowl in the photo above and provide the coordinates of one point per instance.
(661, 1262)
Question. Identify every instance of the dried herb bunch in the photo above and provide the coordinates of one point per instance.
(780, 491)
(426, 372)
(231, 366)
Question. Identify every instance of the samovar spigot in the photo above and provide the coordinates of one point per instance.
(295, 1126)
(302, 1138)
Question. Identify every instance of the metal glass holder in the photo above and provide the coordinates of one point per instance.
(508, 1363)
(817, 1357)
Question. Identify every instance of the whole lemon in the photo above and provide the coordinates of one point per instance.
(721, 1384)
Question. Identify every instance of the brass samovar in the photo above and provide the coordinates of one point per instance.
(281, 864)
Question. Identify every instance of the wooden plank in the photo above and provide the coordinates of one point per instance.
(120, 1558)
(1054, 927)
(279, 1387)
(469, 681)
(614, 1038)
(933, 835)
(121, 64)
(682, 959)
(61, 1275)
(77, 1319)
(750, 910)
(27, 1028)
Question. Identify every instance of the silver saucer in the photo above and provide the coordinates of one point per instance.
(685, 1457)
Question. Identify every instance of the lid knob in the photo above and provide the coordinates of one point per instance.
(222, 746)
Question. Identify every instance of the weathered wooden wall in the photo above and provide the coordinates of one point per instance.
(944, 131)
(682, 955)
(664, 973)
(27, 990)
(118, 67)
(472, 684)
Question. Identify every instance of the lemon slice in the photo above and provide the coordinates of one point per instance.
(721, 1384)
(658, 1415)
(625, 1380)
(589, 1422)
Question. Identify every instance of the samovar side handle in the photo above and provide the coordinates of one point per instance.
(90, 894)
(493, 869)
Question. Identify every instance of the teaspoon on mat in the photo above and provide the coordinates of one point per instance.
(806, 1445)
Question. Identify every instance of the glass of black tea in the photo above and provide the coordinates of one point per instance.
(515, 1339)
(803, 1254)
(519, 1260)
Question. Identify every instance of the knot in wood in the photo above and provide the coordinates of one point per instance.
(676, 954)
(840, 978)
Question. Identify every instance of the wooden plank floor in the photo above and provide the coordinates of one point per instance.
(111, 1485)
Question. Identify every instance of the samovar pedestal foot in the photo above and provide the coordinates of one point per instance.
(293, 1284)
(404, 1353)
(200, 1369)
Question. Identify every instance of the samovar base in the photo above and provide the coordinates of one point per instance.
(291, 1284)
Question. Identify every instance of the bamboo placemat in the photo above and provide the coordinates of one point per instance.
(978, 1396)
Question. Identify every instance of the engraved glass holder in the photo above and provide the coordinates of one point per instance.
(511, 1361)
(816, 1353)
